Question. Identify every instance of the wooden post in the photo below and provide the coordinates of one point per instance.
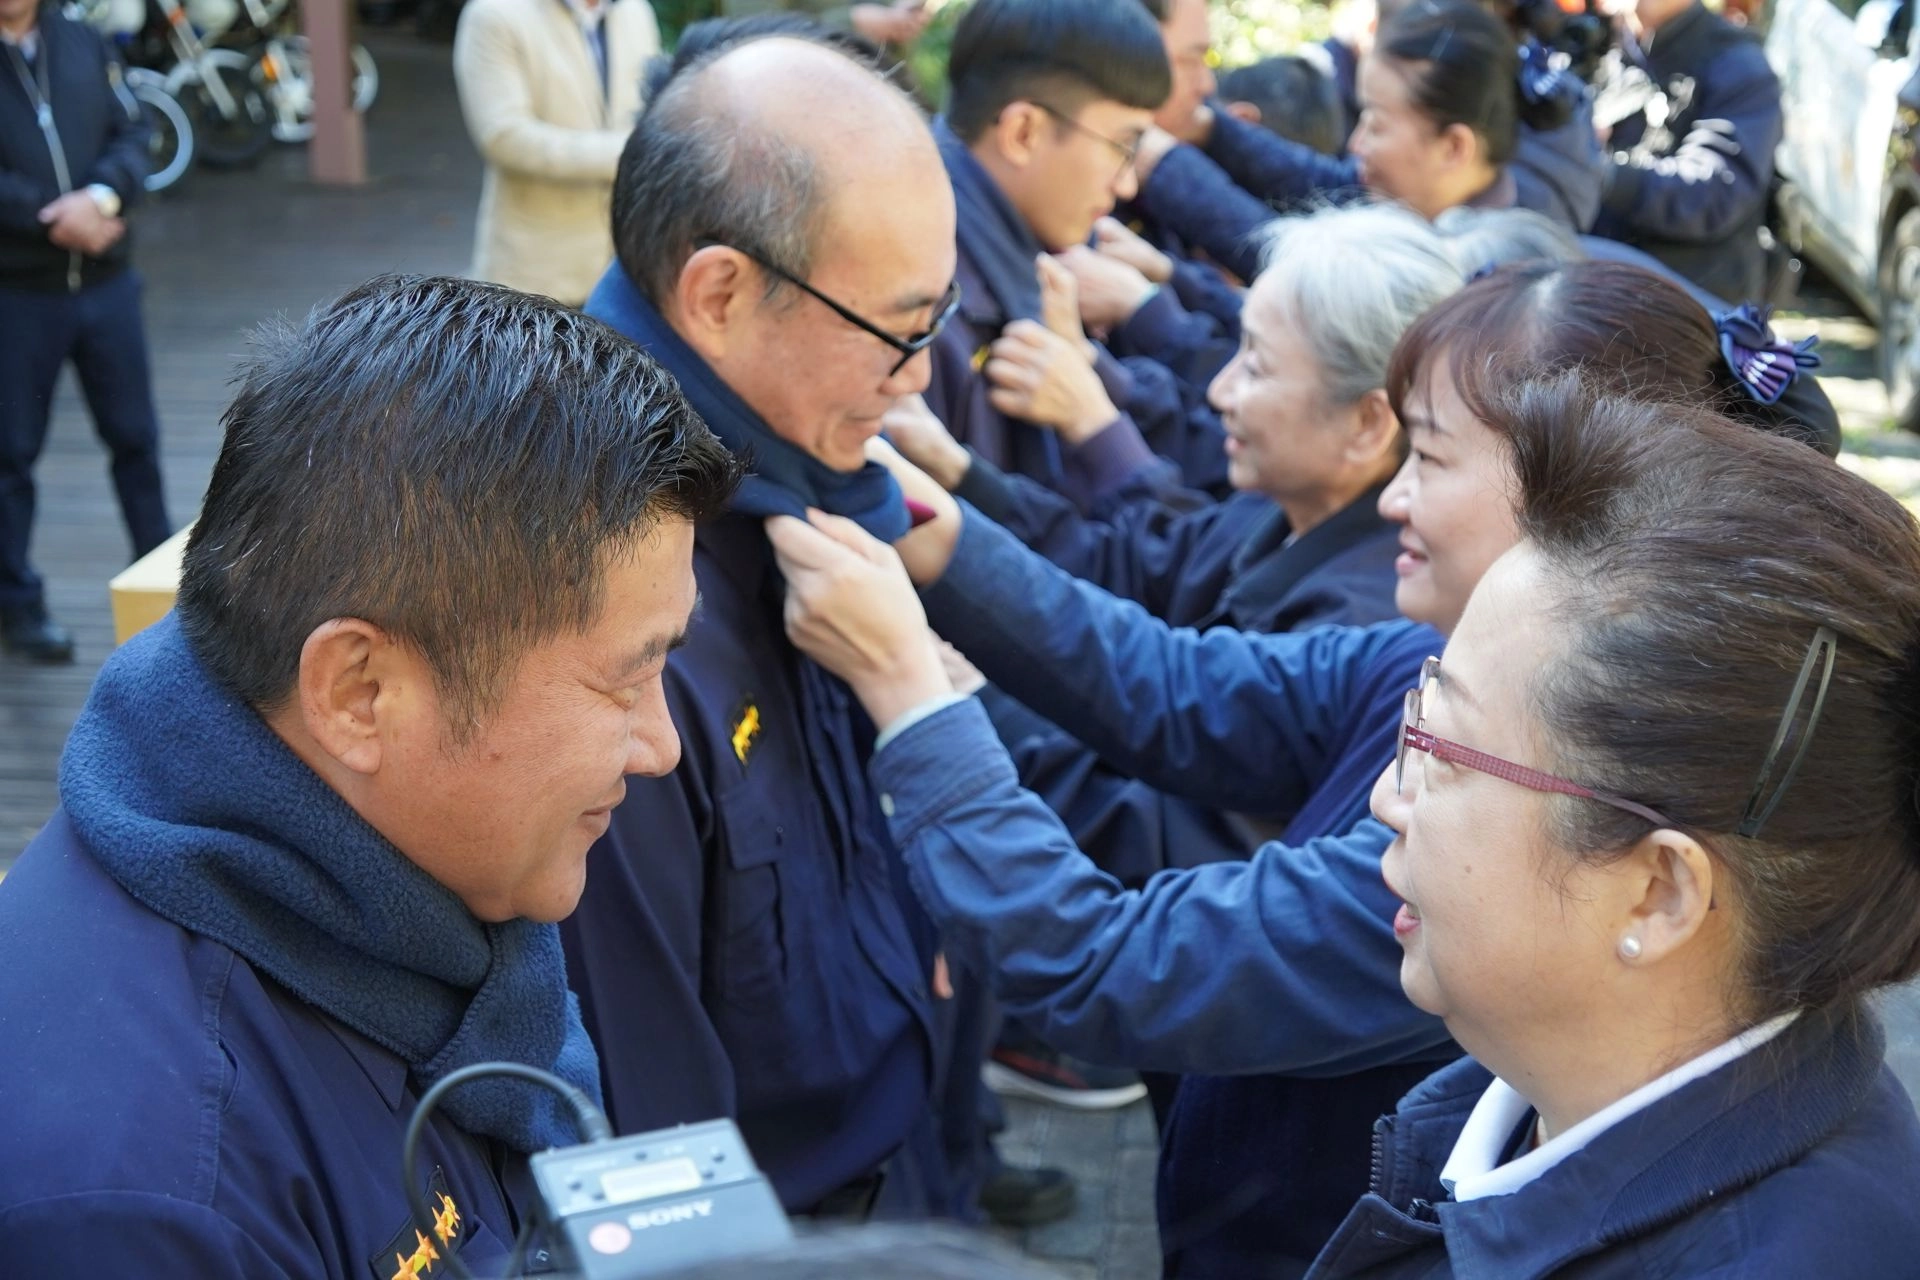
(338, 153)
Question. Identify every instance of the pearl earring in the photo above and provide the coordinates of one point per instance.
(1629, 948)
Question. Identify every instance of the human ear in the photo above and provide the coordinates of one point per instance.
(1376, 428)
(1670, 888)
(714, 291)
(1244, 111)
(341, 668)
(1016, 133)
(1459, 145)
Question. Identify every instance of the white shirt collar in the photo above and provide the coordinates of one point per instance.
(1473, 1171)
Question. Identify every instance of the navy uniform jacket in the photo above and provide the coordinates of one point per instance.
(170, 1111)
(1283, 963)
(751, 901)
(1695, 120)
(1156, 416)
(1798, 1159)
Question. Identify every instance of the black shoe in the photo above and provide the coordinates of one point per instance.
(1030, 1070)
(31, 634)
(1027, 1197)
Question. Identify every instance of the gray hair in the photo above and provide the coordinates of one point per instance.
(1353, 279)
(690, 173)
(1481, 239)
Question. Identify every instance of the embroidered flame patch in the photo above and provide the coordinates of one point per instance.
(980, 358)
(446, 1226)
(745, 730)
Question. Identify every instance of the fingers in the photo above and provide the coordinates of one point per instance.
(800, 545)
(1059, 298)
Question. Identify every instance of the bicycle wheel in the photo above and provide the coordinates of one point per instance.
(226, 141)
(171, 144)
(291, 95)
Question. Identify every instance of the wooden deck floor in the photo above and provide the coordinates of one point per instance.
(221, 253)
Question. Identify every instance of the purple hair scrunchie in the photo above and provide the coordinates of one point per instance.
(1764, 364)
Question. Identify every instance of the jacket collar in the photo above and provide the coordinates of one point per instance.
(994, 240)
(1725, 1131)
(1265, 568)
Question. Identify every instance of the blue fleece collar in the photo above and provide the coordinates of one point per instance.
(181, 792)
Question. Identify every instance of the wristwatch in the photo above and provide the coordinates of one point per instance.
(105, 198)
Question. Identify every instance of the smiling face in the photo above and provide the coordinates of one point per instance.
(1505, 933)
(1453, 499)
(1282, 436)
(505, 820)
(886, 253)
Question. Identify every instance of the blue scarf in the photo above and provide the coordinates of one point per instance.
(786, 480)
(204, 815)
(993, 237)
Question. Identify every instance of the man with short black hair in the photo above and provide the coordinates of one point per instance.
(315, 826)
(1047, 102)
(785, 239)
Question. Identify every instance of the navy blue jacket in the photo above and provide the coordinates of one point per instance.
(1695, 120)
(174, 1112)
(1798, 1159)
(1224, 565)
(103, 139)
(1283, 963)
(1190, 326)
(744, 945)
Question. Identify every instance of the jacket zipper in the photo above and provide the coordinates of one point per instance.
(43, 116)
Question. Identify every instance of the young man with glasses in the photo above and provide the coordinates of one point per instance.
(784, 234)
(1048, 101)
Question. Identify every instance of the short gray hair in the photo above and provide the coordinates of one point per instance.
(1353, 279)
(1482, 239)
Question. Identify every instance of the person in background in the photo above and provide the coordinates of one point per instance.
(1690, 1079)
(785, 235)
(1047, 100)
(550, 90)
(316, 824)
(73, 161)
(1291, 97)
(1284, 964)
(1690, 115)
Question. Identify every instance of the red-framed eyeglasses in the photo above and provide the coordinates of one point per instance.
(1415, 738)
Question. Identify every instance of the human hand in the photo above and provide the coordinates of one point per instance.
(965, 676)
(1110, 290)
(1154, 145)
(1060, 302)
(927, 550)
(852, 609)
(1038, 376)
(890, 24)
(1114, 239)
(917, 432)
(74, 222)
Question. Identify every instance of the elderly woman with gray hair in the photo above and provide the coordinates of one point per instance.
(1311, 444)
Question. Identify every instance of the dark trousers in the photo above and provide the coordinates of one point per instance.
(99, 329)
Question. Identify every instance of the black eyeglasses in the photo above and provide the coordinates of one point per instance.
(943, 310)
(1126, 151)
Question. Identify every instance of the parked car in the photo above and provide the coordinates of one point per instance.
(1849, 197)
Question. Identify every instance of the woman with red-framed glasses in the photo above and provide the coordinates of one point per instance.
(1286, 964)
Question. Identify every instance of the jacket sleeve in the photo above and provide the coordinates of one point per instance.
(1177, 423)
(1560, 172)
(1722, 168)
(1191, 196)
(21, 200)
(491, 69)
(1224, 718)
(1274, 169)
(1194, 345)
(1283, 963)
(129, 1233)
(1139, 552)
(124, 162)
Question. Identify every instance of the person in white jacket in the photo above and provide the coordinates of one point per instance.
(550, 90)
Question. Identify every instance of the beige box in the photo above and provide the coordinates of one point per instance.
(143, 591)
